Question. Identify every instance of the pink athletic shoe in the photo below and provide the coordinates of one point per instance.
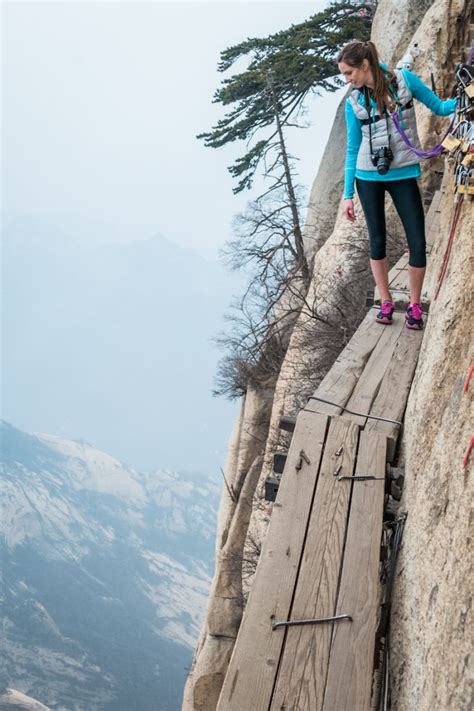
(386, 312)
(414, 317)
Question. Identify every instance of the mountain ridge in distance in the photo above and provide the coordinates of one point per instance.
(106, 574)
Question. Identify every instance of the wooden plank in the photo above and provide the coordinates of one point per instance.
(400, 281)
(369, 382)
(433, 235)
(250, 678)
(432, 231)
(303, 668)
(433, 212)
(403, 261)
(349, 680)
(395, 387)
(395, 272)
(339, 383)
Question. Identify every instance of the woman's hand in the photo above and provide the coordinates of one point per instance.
(349, 209)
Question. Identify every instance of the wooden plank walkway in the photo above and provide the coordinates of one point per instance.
(321, 554)
(332, 568)
(251, 674)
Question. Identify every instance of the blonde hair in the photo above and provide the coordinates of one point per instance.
(354, 54)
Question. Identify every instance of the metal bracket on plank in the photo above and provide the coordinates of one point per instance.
(302, 457)
(320, 621)
(358, 414)
(399, 291)
(361, 477)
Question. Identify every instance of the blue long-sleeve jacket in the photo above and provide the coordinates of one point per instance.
(422, 93)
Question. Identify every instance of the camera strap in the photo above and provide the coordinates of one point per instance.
(369, 109)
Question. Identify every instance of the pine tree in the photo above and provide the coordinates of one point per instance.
(266, 98)
(299, 60)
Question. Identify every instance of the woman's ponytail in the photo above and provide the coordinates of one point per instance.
(382, 96)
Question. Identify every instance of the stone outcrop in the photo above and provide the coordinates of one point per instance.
(394, 26)
(333, 308)
(241, 473)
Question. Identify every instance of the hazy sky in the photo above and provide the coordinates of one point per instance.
(101, 105)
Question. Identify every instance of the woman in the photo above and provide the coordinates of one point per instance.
(381, 162)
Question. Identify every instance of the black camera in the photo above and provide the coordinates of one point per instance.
(381, 159)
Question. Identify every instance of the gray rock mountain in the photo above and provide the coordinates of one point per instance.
(13, 700)
(105, 575)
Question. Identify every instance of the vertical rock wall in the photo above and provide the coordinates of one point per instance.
(432, 613)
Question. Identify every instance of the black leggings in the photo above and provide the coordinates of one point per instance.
(407, 200)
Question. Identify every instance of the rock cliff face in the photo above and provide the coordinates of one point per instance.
(430, 612)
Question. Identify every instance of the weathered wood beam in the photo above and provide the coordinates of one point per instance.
(350, 671)
(303, 668)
